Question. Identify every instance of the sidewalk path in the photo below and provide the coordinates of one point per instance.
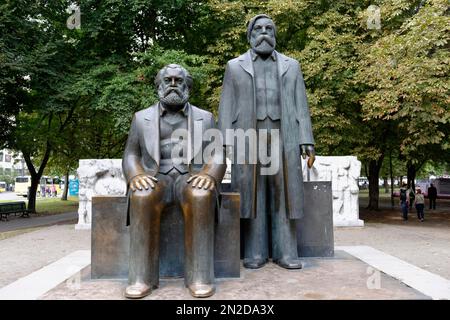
(28, 252)
(32, 222)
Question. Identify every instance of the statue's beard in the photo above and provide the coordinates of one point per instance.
(173, 97)
(263, 44)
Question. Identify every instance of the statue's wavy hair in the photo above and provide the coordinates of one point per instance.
(186, 74)
(252, 22)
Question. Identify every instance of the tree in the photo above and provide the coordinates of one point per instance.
(38, 65)
(60, 82)
(73, 92)
(405, 70)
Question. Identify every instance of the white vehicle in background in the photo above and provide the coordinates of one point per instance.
(21, 185)
(2, 186)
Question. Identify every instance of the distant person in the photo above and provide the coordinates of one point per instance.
(404, 201)
(432, 196)
(43, 191)
(412, 195)
(53, 190)
(420, 204)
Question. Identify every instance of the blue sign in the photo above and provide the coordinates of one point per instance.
(73, 187)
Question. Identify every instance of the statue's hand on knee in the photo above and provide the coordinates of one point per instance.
(143, 181)
(202, 181)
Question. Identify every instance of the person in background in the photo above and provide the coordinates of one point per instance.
(432, 196)
(404, 201)
(420, 204)
(53, 190)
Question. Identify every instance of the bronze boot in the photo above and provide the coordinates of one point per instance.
(137, 291)
(199, 290)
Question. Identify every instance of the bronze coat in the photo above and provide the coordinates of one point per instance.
(142, 151)
(237, 109)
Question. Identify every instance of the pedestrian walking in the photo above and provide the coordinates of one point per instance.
(432, 196)
(404, 201)
(420, 204)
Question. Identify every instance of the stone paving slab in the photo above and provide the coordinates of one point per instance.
(39, 282)
(426, 282)
(26, 253)
(341, 277)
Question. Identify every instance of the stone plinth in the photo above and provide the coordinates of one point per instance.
(343, 172)
(111, 239)
(315, 230)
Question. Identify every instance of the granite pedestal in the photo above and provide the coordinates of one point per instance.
(315, 230)
(315, 236)
(111, 239)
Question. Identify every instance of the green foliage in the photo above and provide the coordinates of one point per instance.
(433, 168)
(406, 71)
(371, 91)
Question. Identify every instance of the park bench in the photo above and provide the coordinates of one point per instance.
(8, 208)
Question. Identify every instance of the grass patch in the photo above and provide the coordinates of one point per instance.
(13, 233)
(382, 195)
(53, 205)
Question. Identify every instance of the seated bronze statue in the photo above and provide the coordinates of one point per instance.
(158, 179)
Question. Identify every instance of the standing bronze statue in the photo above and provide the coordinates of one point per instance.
(264, 89)
(158, 179)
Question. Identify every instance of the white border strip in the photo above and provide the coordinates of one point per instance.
(34, 285)
(424, 281)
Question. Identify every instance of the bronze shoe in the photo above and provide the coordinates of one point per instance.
(254, 263)
(199, 290)
(290, 263)
(137, 291)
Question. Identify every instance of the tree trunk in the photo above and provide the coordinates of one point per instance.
(66, 187)
(35, 176)
(411, 174)
(374, 176)
(392, 179)
(32, 192)
(386, 185)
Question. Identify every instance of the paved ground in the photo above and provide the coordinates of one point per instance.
(28, 252)
(425, 245)
(342, 277)
(11, 196)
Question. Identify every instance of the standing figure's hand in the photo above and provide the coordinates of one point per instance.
(308, 149)
(202, 181)
(143, 181)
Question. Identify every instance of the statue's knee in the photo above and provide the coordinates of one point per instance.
(144, 193)
(198, 194)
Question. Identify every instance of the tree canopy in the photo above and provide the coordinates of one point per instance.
(374, 88)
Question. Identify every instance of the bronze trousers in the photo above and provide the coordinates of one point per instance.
(146, 207)
(270, 213)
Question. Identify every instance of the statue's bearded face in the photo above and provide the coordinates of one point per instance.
(173, 90)
(262, 38)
